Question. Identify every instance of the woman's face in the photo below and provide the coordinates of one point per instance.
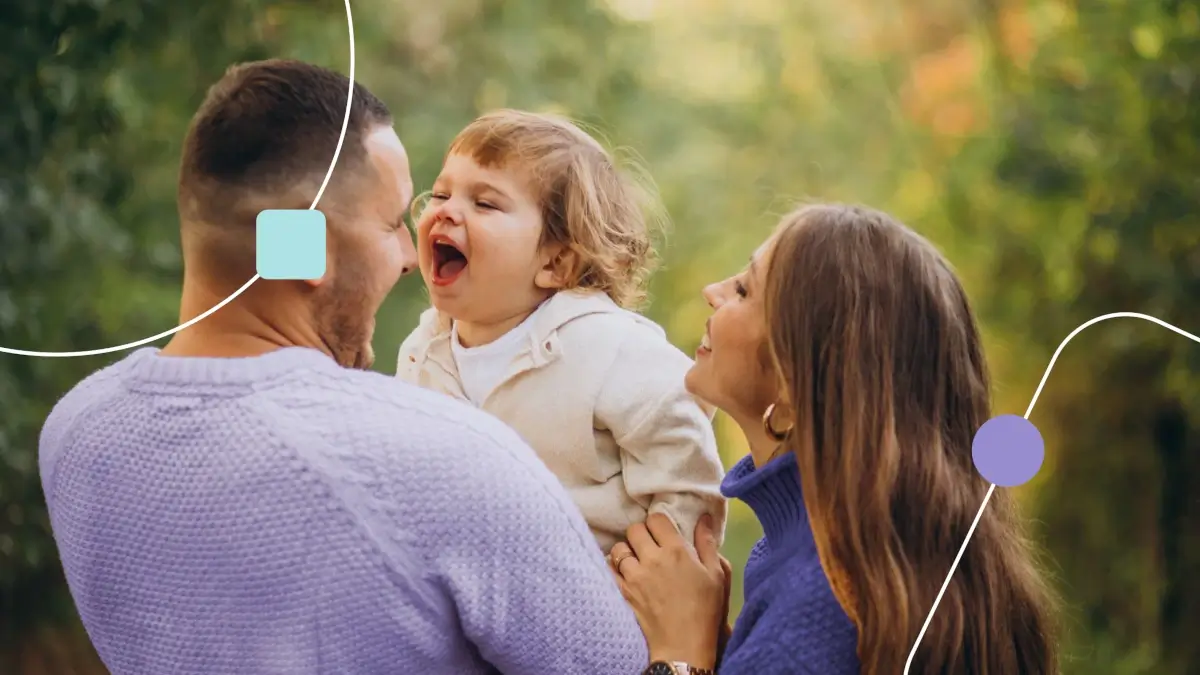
(733, 368)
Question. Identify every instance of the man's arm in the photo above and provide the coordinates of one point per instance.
(532, 589)
(668, 448)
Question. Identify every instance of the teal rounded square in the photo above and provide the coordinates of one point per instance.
(290, 244)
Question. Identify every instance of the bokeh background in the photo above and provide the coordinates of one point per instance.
(1051, 148)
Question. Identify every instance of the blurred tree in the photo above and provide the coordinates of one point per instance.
(84, 263)
(1101, 166)
(1060, 169)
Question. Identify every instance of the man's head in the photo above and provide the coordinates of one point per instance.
(264, 138)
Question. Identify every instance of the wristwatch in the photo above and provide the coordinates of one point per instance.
(675, 668)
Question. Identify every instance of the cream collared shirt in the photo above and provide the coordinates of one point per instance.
(597, 391)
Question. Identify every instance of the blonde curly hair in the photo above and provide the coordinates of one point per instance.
(604, 213)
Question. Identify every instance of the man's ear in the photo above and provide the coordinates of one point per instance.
(558, 267)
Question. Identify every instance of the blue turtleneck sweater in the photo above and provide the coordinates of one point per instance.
(791, 623)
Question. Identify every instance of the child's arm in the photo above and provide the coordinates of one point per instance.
(669, 450)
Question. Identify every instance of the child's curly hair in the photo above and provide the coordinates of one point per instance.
(602, 213)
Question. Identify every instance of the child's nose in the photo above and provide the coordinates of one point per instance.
(712, 295)
(449, 211)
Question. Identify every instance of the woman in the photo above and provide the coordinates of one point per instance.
(849, 356)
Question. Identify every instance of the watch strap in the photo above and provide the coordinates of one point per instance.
(675, 668)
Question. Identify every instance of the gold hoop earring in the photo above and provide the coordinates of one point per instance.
(770, 429)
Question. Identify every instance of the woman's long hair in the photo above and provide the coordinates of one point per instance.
(882, 365)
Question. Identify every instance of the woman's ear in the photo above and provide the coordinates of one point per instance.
(558, 267)
(783, 413)
(785, 416)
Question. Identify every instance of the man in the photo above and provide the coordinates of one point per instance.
(252, 500)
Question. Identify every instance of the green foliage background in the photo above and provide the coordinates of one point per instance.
(1050, 147)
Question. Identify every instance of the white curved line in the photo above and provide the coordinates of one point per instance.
(346, 120)
(1105, 317)
(328, 174)
(1028, 412)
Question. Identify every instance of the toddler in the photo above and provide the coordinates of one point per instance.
(535, 249)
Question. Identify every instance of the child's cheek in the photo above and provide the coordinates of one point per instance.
(422, 228)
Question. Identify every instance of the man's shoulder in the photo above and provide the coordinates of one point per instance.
(99, 390)
(100, 386)
(395, 419)
(379, 394)
(404, 438)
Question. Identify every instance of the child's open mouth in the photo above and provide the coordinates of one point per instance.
(448, 261)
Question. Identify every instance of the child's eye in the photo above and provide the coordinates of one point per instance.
(740, 289)
(438, 196)
(484, 205)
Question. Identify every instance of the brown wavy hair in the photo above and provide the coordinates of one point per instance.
(604, 210)
(883, 370)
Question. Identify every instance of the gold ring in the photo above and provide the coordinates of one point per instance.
(616, 562)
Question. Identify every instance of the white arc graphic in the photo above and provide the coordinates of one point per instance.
(226, 301)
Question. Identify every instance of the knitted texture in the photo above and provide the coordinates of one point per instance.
(281, 514)
(791, 623)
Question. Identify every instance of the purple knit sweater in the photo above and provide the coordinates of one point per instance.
(283, 515)
(790, 624)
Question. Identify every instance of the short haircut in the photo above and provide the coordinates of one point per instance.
(605, 212)
(266, 128)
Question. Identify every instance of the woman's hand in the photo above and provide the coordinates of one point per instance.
(725, 631)
(679, 595)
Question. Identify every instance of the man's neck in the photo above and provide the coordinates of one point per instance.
(251, 325)
(220, 344)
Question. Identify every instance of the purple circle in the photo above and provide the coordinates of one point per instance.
(1008, 450)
